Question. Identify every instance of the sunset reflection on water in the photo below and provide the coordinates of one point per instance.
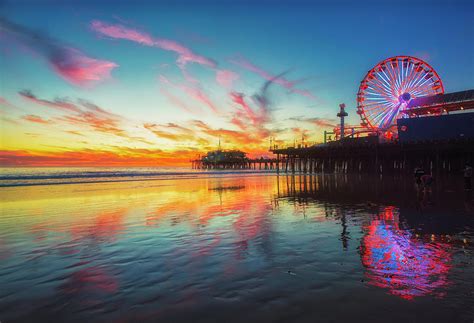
(254, 247)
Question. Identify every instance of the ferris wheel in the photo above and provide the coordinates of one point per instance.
(387, 89)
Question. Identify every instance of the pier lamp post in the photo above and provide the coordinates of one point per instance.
(342, 114)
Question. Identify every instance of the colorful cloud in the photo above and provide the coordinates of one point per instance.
(68, 62)
(289, 85)
(120, 156)
(117, 31)
(320, 122)
(226, 78)
(35, 119)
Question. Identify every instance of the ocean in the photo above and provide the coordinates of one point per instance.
(27, 176)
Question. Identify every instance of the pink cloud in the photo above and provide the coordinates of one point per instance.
(121, 32)
(258, 118)
(185, 55)
(68, 62)
(193, 91)
(239, 123)
(79, 69)
(200, 96)
(176, 101)
(290, 85)
(226, 78)
(239, 99)
(6, 104)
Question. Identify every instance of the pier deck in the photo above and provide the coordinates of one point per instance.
(373, 157)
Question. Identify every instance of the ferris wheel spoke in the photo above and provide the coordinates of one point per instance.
(385, 86)
(374, 99)
(380, 114)
(393, 72)
(380, 102)
(379, 82)
(428, 86)
(380, 89)
(386, 119)
(376, 108)
(379, 120)
(387, 78)
(413, 79)
(421, 93)
(394, 81)
(402, 72)
(423, 86)
(421, 81)
(399, 77)
(408, 77)
(377, 104)
(415, 84)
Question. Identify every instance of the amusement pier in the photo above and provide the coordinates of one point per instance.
(407, 121)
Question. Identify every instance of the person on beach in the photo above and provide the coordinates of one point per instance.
(467, 177)
(427, 181)
(419, 172)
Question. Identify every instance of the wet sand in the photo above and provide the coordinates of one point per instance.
(246, 248)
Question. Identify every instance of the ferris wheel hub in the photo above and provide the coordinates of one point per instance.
(405, 97)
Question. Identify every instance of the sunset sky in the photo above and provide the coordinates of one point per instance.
(143, 84)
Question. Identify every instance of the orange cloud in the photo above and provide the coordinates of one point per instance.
(84, 114)
(59, 104)
(234, 137)
(320, 122)
(35, 119)
(121, 156)
(194, 91)
(175, 132)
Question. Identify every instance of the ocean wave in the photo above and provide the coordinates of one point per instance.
(27, 177)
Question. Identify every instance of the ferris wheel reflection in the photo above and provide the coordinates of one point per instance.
(397, 260)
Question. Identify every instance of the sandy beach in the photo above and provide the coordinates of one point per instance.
(237, 248)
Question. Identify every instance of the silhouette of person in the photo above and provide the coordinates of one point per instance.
(468, 177)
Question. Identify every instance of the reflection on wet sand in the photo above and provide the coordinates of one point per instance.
(396, 259)
(409, 261)
(248, 248)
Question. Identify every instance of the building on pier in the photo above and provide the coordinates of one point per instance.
(232, 159)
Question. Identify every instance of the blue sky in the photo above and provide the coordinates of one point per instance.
(325, 48)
